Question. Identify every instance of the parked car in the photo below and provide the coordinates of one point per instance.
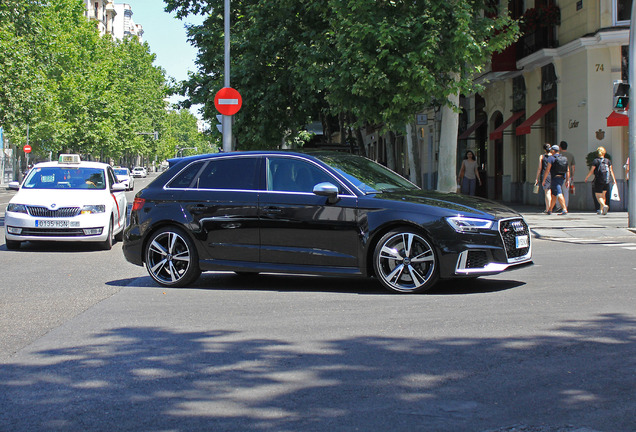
(318, 213)
(139, 172)
(124, 176)
(68, 200)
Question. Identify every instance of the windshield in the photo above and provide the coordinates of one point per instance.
(121, 171)
(366, 175)
(65, 178)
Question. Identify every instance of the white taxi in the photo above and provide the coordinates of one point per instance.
(68, 200)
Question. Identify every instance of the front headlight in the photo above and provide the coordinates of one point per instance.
(469, 225)
(90, 209)
(17, 208)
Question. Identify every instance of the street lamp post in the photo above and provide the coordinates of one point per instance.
(227, 120)
(631, 191)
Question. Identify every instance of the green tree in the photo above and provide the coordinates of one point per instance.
(365, 61)
(180, 136)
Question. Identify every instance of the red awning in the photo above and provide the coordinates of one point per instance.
(468, 132)
(524, 128)
(498, 133)
(616, 119)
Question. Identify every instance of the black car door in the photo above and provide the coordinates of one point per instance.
(299, 227)
(221, 200)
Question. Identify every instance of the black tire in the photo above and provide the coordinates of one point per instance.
(405, 262)
(108, 243)
(171, 258)
(13, 244)
(120, 235)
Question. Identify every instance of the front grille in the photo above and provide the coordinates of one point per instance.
(510, 229)
(53, 232)
(477, 259)
(59, 213)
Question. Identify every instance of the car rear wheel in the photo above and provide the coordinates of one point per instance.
(404, 261)
(171, 258)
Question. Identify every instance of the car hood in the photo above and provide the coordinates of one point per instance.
(56, 198)
(456, 203)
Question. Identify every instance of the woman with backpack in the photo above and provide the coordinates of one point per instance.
(602, 170)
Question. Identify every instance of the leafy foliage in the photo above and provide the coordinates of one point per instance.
(371, 61)
(74, 90)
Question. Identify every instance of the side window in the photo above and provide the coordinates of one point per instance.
(238, 173)
(112, 179)
(185, 178)
(293, 175)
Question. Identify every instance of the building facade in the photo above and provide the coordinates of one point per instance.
(113, 19)
(555, 84)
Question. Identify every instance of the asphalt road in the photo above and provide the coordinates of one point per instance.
(90, 343)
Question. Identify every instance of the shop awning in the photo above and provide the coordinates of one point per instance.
(468, 132)
(616, 119)
(524, 128)
(498, 133)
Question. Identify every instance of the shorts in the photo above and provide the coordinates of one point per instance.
(557, 185)
(600, 187)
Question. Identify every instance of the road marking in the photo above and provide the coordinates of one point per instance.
(621, 244)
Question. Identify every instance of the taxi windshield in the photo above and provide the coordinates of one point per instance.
(121, 171)
(65, 178)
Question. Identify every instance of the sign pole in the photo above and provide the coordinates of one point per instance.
(227, 120)
(631, 192)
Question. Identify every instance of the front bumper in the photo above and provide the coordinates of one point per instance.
(81, 228)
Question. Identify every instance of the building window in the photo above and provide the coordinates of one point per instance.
(96, 10)
(622, 12)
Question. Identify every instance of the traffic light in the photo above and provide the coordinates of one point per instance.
(621, 95)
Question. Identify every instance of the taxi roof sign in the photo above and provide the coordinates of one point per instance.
(69, 159)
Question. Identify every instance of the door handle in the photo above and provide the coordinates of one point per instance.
(273, 210)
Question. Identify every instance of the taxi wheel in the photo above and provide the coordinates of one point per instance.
(108, 243)
(171, 258)
(13, 245)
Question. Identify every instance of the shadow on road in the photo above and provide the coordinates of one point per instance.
(296, 283)
(154, 379)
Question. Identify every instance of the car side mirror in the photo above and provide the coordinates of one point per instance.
(328, 190)
(14, 185)
(118, 187)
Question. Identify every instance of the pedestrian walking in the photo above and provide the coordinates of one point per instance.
(468, 174)
(602, 170)
(569, 188)
(560, 174)
(541, 169)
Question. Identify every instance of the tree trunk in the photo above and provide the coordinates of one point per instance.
(390, 150)
(360, 139)
(413, 155)
(447, 177)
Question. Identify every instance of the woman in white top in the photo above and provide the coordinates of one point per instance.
(468, 174)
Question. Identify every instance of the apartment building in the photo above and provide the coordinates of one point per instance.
(112, 18)
(555, 84)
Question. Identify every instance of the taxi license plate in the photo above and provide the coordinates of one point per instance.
(521, 241)
(56, 224)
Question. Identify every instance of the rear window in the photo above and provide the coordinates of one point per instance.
(238, 173)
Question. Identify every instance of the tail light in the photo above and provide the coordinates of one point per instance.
(138, 204)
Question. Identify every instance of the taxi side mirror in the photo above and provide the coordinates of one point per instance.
(118, 187)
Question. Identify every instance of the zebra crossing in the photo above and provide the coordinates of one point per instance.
(597, 241)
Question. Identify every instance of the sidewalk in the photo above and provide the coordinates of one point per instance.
(576, 224)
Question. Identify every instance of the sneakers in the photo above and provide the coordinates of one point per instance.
(563, 213)
(605, 209)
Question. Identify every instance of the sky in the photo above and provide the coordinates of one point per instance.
(167, 38)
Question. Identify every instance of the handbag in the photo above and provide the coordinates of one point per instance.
(614, 193)
(536, 188)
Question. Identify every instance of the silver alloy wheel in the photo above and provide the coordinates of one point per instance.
(168, 258)
(405, 262)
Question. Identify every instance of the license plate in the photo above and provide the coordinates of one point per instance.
(521, 241)
(56, 224)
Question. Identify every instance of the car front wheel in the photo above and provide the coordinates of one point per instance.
(404, 261)
(171, 258)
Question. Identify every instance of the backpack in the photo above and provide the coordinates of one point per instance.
(560, 164)
(602, 172)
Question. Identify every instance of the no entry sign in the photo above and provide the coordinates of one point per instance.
(228, 101)
(27, 148)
